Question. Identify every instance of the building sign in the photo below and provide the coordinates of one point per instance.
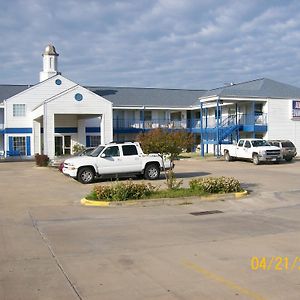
(296, 109)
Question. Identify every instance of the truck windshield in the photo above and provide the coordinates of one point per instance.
(97, 151)
(260, 143)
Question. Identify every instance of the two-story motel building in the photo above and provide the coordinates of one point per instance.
(55, 114)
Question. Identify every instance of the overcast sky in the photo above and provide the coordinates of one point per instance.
(196, 44)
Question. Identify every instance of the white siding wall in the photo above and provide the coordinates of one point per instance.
(1, 118)
(33, 97)
(66, 104)
(280, 125)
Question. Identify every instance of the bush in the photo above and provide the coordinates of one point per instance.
(216, 184)
(172, 182)
(77, 148)
(123, 191)
(41, 160)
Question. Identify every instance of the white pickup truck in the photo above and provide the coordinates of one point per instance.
(115, 159)
(256, 150)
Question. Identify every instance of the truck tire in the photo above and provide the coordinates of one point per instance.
(255, 159)
(227, 156)
(152, 172)
(86, 175)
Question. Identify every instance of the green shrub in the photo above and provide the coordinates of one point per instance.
(172, 182)
(121, 191)
(216, 184)
(77, 148)
(41, 160)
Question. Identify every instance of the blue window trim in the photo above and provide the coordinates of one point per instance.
(28, 146)
(18, 130)
(92, 129)
(66, 130)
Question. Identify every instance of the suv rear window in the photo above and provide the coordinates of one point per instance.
(129, 150)
(287, 144)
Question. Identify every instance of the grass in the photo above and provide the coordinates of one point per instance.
(167, 193)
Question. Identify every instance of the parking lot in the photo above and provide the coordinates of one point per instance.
(53, 248)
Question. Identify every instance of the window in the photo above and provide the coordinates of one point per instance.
(78, 97)
(241, 142)
(129, 150)
(19, 144)
(19, 110)
(147, 115)
(247, 144)
(112, 151)
(95, 140)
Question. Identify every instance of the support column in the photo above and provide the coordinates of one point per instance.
(37, 137)
(218, 123)
(49, 141)
(102, 129)
(81, 132)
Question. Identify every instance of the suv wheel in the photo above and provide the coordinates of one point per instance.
(152, 172)
(227, 156)
(255, 159)
(288, 158)
(86, 175)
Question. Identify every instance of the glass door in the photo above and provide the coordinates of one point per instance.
(67, 144)
(58, 145)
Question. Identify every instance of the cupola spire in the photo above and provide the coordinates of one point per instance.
(49, 63)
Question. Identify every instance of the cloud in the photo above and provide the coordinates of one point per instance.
(161, 43)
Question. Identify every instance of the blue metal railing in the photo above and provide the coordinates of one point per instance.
(149, 124)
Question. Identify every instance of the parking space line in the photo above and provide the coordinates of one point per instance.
(219, 279)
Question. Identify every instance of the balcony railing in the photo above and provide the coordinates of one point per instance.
(242, 119)
(155, 123)
(209, 122)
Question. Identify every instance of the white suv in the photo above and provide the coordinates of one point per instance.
(115, 159)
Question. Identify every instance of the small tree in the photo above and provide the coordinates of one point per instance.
(166, 143)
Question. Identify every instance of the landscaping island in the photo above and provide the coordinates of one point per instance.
(126, 191)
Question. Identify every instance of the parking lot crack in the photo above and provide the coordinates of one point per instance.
(58, 263)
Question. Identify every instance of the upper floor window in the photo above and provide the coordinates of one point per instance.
(19, 110)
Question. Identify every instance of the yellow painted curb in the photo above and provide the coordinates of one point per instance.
(241, 194)
(94, 203)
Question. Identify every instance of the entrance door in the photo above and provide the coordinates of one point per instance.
(58, 145)
(63, 145)
(67, 144)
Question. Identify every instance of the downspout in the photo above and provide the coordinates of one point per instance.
(201, 129)
(206, 125)
(253, 118)
(218, 105)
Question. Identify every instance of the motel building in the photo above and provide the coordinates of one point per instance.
(55, 114)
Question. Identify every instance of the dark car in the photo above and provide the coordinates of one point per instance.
(288, 149)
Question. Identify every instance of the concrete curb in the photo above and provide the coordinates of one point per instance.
(165, 201)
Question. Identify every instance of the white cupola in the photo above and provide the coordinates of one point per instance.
(49, 63)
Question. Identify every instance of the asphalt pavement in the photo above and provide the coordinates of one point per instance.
(51, 247)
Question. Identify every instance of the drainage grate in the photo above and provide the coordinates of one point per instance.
(207, 212)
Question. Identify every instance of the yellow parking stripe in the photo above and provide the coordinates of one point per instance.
(222, 280)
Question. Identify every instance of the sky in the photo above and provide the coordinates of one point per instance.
(184, 44)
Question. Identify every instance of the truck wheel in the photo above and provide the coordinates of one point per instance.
(86, 175)
(288, 159)
(152, 172)
(227, 156)
(255, 159)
